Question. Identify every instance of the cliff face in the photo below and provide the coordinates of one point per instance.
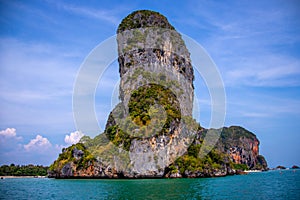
(240, 145)
(152, 122)
(151, 132)
(237, 149)
(224, 159)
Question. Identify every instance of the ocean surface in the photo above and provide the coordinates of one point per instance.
(262, 185)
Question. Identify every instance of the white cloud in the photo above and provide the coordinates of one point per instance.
(38, 151)
(73, 138)
(255, 115)
(9, 132)
(38, 143)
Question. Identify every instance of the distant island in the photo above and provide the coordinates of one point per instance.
(140, 140)
(23, 170)
(283, 167)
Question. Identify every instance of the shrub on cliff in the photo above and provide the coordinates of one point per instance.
(77, 153)
(192, 163)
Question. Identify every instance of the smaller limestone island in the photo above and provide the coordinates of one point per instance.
(237, 150)
(151, 132)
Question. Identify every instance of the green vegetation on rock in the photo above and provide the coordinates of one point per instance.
(240, 167)
(148, 95)
(118, 137)
(233, 134)
(191, 162)
(145, 116)
(142, 19)
(82, 160)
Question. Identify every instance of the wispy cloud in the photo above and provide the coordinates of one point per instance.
(260, 104)
(25, 63)
(244, 19)
(107, 15)
(255, 114)
(268, 71)
(251, 44)
(93, 13)
(35, 78)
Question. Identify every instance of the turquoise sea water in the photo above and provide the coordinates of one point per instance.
(264, 185)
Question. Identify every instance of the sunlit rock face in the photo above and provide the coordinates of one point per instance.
(149, 45)
(153, 120)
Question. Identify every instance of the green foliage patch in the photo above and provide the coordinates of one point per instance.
(142, 112)
(130, 22)
(67, 156)
(151, 94)
(240, 167)
(23, 170)
(193, 163)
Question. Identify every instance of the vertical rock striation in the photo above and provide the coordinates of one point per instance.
(156, 93)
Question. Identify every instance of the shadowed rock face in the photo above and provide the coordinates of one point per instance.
(241, 145)
(152, 126)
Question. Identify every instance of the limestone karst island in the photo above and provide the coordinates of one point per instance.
(151, 133)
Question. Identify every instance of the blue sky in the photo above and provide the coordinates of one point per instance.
(256, 46)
